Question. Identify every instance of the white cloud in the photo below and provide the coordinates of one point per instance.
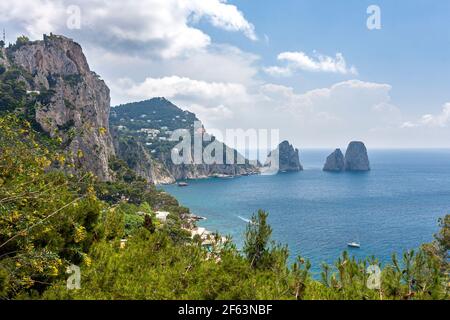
(441, 120)
(211, 114)
(161, 28)
(222, 15)
(180, 87)
(318, 63)
(278, 71)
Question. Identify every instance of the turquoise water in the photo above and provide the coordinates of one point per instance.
(390, 209)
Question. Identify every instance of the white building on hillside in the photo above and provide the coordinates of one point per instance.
(162, 216)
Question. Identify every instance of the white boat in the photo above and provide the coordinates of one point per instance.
(354, 245)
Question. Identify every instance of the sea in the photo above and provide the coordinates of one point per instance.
(393, 208)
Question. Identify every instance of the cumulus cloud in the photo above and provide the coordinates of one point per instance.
(278, 71)
(318, 63)
(161, 28)
(180, 87)
(212, 114)
(349, 101)
(441, 120)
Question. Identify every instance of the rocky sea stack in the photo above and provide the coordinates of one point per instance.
(335, 162)
(289, 158)
(356, 158)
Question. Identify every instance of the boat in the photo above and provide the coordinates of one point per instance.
(354, 245)
(183, 184)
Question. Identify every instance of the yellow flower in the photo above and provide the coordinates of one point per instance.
(54, 271)
(27, 282)
(87, 260)
(102, 131)
(90, 190)
(61, 159)
(80, 234)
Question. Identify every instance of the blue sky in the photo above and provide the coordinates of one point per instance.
(411, 51)
(310, 68)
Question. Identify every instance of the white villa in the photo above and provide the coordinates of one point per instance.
(162, 216)
(152, 133)
(33, 92)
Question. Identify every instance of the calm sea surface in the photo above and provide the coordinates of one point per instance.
(392, 208)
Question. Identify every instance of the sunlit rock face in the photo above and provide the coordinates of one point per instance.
(74, 101)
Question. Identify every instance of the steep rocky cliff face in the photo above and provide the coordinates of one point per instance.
(202, 171)
(335, 162)
(288, 158)
(74, 103)
(138, 158)
(356, 157)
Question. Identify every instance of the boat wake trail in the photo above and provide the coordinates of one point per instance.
(245, 220)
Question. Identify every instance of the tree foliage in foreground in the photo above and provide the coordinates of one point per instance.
(46, 217)
(49, 220)
(152, 266)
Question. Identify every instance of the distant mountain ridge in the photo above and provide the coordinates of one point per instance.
(157, 112)
(148, 125)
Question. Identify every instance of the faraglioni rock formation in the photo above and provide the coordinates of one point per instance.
(335, 162)
(356, 158)
(288, 158)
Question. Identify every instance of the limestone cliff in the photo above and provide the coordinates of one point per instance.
(335, 162)
(139, 159)
(74, 103)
